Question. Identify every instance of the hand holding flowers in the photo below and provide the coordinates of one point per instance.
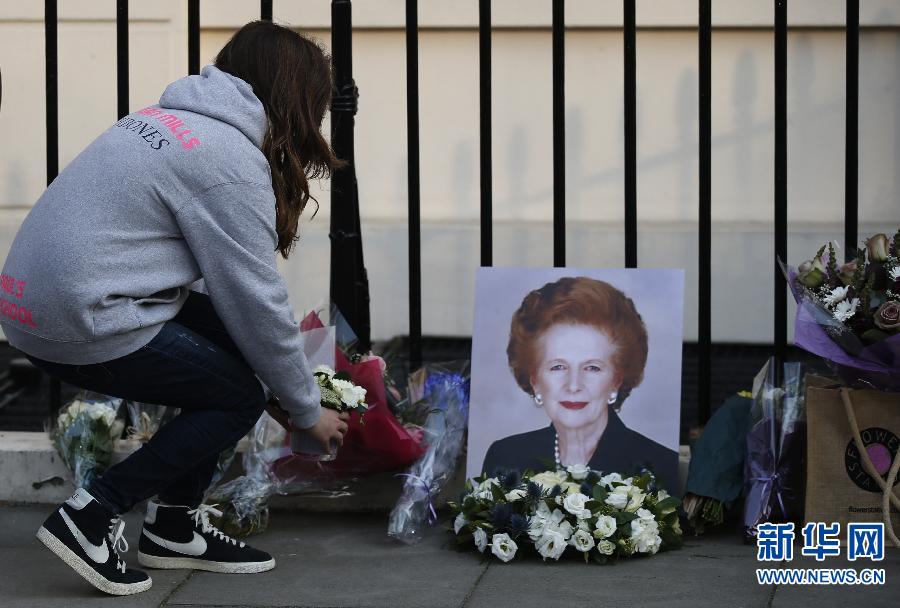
(338, 391)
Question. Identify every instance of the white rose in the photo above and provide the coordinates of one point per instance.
(606, 526)
(645, 514)
(662, 495)
(503, 547)
(578, 471)
(635, 499)
(480, 539)
(607, 480)
(359, 395)
(645, 536)
(570, 488)
(574, 504)
(564, 528)
(551, 544)
(536, 528)
(458, 523)
(517, 494)
(345, 389)
(582, 541)
(483, 490)
(548, 479)
(605, 547)
(617, 500)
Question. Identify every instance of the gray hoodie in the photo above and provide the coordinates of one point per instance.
(168, 195)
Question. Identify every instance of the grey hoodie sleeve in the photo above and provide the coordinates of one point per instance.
(230, 229)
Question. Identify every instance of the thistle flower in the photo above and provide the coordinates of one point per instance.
(533, 492)
(500, 516)
(510, 479)
(518, 523)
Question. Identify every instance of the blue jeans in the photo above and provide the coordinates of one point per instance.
(192, 364)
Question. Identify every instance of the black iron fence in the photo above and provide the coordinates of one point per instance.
(345, 229)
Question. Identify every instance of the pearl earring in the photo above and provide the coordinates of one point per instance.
(538, 399)
(613, 397)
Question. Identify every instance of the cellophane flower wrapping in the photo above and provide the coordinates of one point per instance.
(776, 447)
(374, 443)
(849, 314)
(443, 391)
(377, 443)
(244, 500)
(145, 419)
(84, 434)
(858, 365)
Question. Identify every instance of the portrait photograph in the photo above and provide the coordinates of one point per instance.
(576, 367)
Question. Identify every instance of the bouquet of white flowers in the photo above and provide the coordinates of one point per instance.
(84, 434)
(339, 393)
(601, 517)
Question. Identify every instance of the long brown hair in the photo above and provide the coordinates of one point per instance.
(291, 76)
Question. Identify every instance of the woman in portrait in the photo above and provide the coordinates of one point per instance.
(578, 348)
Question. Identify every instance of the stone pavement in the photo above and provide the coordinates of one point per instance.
(347, 560)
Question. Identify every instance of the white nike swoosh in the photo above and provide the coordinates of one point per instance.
(98, 553)
(196, 547)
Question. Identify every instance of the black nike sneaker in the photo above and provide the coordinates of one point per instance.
(181, 537)
(89, 538)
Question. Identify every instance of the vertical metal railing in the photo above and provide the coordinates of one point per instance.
(630, 177)
(51, 80)
(559, 134)
(629, 31)
(193, 36)
(52, 89)
(349, 284)
(851, 160)
(412, 128)
(780, 303)
(122, 57)
(484, 125)
(704, 232)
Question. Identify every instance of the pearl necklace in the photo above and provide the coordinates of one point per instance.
(559, 466)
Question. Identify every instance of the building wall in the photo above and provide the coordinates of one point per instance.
(667, 123)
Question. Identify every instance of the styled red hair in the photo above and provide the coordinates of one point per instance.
(579, 301)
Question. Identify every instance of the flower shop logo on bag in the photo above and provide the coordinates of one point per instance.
(882, 446)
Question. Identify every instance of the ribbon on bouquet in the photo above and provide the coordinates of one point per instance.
(775, 481)
(432, 514)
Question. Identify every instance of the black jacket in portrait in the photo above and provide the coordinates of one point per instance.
(620, 450)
